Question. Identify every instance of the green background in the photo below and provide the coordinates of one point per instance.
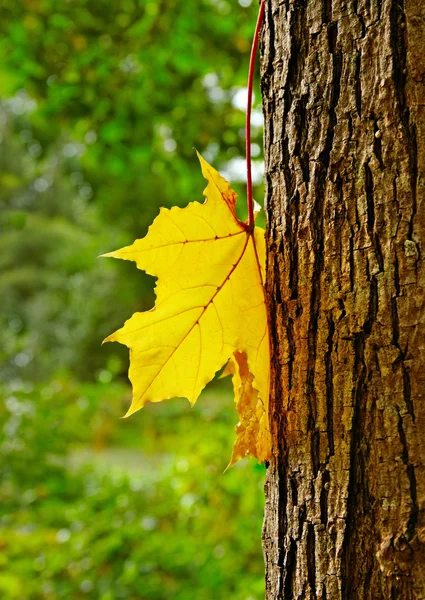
(101, 106)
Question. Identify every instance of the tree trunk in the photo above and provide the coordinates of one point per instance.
(344, 100)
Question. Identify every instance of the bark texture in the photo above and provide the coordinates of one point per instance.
(344, 101)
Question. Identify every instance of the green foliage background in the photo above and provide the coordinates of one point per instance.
(101, 104)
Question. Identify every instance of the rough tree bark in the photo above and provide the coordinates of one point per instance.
(344, 100)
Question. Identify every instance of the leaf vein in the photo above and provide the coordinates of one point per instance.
(182, 242)
(227, 278)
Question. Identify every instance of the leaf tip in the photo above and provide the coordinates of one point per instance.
(229, 466)
(130, 411)
(203, 162)
(111, 338)
(108, 254)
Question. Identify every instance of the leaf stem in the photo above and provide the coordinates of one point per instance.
(254, 47)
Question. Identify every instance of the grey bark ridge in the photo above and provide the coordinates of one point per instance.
(343, 84)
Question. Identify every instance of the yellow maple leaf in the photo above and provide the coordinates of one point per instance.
(210, 304)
